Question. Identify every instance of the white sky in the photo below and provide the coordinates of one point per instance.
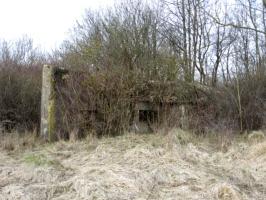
(47, 22)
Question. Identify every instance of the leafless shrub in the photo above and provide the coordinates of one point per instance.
(20, 84)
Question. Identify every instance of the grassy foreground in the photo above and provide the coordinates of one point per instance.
(172, 165)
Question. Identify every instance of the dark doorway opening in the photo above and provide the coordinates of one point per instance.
(150, 116)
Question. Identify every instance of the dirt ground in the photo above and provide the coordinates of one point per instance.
(176, 165)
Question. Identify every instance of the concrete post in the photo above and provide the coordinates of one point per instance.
(48, 113)
(184, 117)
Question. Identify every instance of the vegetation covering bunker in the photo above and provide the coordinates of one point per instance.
(147, 113)
(146, 109)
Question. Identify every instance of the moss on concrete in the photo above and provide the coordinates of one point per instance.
(52, 110)
(51, 120)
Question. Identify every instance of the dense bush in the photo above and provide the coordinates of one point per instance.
(155, 51)
(132, 45)
(20, 93)
(236, 106)
(20, 84)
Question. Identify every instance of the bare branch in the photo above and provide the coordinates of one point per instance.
(233, 25)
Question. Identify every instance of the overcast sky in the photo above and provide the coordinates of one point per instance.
(47, 22)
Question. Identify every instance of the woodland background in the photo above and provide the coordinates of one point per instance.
(193, 43)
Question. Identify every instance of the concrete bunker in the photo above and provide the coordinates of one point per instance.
(147, 114)
(150, 115)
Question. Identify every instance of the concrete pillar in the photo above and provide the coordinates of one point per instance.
(48, 112)
(184, 117)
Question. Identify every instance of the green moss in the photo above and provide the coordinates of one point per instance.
(41, 160)
(52, 111)
(51, 120)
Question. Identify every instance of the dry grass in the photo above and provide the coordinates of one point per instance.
(13, 142)
(176, 165)
(258, 150)
(256, 136)
(227, 192)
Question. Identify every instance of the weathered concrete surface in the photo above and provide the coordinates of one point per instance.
(47, 130)
(51, 110)
(184, 117)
